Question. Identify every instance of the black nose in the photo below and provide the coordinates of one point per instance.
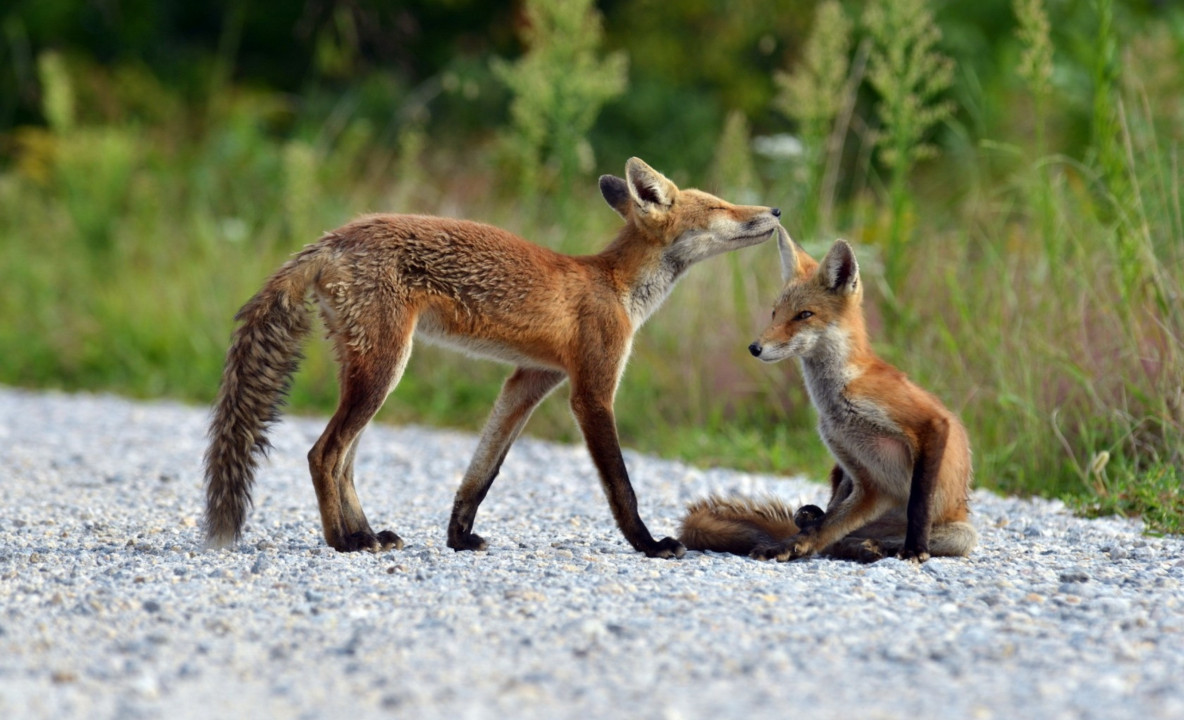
(776, 212)
(755, 349)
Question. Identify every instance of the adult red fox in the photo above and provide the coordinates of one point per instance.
(903, 468)
(384, 279)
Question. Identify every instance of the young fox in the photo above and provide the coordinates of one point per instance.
(383, 279)
(903, 467)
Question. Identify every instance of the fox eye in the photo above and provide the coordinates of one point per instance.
(803, 315)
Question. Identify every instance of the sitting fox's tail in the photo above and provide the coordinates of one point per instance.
(736, 524)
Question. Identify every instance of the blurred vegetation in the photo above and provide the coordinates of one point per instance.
(1010, 174)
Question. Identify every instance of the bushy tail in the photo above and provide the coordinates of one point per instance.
(264, 354)
(736, 524)
(955, 539)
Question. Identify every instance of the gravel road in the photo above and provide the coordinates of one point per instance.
(110, 608)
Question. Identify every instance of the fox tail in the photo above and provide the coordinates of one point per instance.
(263, 356)
(736, 524)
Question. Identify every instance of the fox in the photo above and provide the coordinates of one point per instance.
(384, 280)
(901, 481)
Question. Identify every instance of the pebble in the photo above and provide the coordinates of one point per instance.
(110, 606)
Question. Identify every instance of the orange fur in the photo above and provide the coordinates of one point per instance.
(903, 467)
(383, 280)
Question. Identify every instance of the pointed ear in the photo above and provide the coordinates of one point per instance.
(840, 271)
(616, 193)
(790, 267)
(795, 263)
(649, 188)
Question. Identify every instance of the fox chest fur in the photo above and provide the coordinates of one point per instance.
(859, 432)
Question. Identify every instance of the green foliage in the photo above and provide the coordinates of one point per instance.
(735, 175)
(559, 87)
(910, 75)
(1106, 132)
(1035, 65)
(813, 95)
(1035, 69)
(58, 95)
(1156, 494)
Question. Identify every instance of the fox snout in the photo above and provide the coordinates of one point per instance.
(755, 348)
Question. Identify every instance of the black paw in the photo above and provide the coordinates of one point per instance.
(869, 551)
(389, 540)
(370, 542)
(666, 548)
(798, 546)
(771, 551)
(467, 541)
(916, 555)
(808, 517)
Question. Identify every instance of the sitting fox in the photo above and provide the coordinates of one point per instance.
(384, 279)
(903, 469)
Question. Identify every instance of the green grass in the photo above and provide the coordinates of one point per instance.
(1043, 292)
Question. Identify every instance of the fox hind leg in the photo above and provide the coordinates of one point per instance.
(351, 508)
(847, 512)
(366, 380)
(863, 549)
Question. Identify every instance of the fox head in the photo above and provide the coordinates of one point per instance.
(819, 306)
(689, 225)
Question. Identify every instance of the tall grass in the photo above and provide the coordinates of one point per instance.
(559, 86)
(1043, 291)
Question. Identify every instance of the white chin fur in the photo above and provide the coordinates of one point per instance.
(774, 354)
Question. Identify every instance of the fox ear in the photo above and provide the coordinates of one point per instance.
(795, 263)
(649, 188)
(840, 271)
(616, 193)
(790, 267)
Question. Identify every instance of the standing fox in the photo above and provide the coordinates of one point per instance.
(903, 468)
(383, 279)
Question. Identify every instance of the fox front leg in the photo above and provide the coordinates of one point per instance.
(600, 433)
(924, 483)
(521, 393)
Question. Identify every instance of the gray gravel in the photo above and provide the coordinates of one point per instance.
(110, 608)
